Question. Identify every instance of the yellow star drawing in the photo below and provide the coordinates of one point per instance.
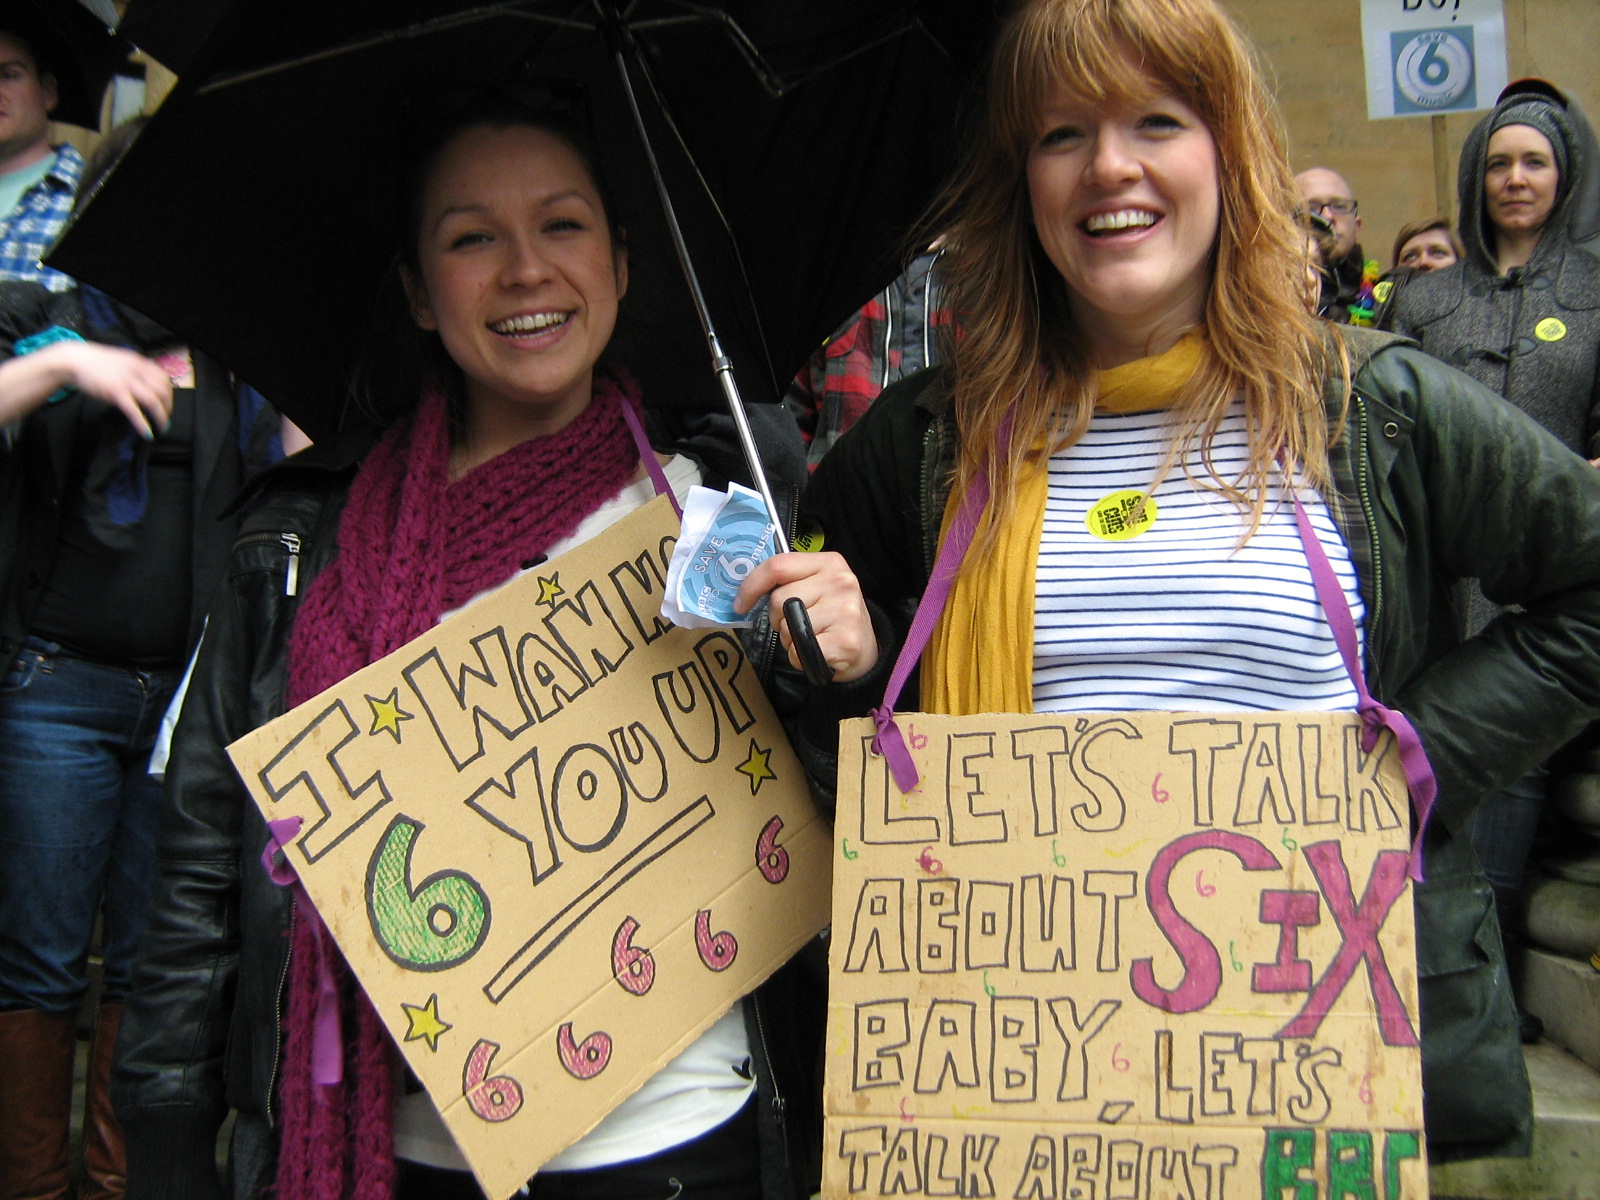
(387, 714)
(549, 589)
(425, 1022)
(756, 766)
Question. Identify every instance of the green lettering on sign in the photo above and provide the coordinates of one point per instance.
(1400, 1144)
(1350, 1164)
(1290, 1155)
(430, 927)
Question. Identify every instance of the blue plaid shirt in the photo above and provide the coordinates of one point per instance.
(30, 228)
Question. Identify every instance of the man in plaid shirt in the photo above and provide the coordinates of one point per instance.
(37, 181)
(892, 335)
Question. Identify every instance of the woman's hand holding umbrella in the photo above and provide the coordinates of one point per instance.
(832, 598)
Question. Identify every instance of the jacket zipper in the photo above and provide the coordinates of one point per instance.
(291, 543)
(1363, 469)
(277, 1017)
(933, 440)
(779, 1105)
(291, 576)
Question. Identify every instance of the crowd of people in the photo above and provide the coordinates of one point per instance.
(1102, 306)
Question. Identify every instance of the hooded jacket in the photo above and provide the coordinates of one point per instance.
(1532, 334)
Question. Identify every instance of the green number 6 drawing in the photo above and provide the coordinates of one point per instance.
(436, 924)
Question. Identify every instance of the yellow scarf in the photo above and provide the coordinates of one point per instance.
(980, 657)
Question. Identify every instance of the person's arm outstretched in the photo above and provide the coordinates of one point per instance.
(128, 382)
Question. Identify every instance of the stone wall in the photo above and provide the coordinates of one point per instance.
(1313, 47)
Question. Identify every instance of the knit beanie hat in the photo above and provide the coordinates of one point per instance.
(1549, 120)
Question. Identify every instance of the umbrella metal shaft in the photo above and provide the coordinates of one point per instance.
(719, 360)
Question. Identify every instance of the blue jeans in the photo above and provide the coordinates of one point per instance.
(1503, 832)
(78, 818)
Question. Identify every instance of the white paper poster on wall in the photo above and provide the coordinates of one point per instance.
(1426, 57)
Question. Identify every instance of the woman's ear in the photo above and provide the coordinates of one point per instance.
(417, 300)
(619, 256)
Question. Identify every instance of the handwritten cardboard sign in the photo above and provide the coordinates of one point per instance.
(555, 838)
(1152, 956)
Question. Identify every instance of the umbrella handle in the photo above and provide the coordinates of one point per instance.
(818, 672)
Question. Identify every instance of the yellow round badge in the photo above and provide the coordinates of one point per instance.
(1550, 330)
(1121, 515)
(808, 541)
(1381, 290)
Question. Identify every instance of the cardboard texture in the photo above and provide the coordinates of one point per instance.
(1141, 956)
(555, 838)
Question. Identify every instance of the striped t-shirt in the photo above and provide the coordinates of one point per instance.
(1162, 609)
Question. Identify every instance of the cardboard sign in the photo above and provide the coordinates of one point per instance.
(1430, 57)
(555, 838)
(1141, 956)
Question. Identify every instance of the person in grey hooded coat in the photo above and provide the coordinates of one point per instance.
(1521, 314)
(1529, 330)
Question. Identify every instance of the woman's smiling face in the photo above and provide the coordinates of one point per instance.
(1126, 205)
(519, 276)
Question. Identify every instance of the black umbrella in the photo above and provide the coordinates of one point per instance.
(170, 31)
(798, 138)
(76, 47)
(789, 143)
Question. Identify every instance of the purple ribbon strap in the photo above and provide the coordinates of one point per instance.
(648, 456)
(283, 832)
(1375, 716)
(889, 741)
(327, 1043)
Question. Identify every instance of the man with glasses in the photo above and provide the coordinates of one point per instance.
(1328, 195)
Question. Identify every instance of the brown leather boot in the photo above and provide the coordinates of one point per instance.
(105, 1166)
(36, 1051)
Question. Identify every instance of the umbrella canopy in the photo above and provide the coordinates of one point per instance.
(172, 32)
(76, 47)
(799, 139)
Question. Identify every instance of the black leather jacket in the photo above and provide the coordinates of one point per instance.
(201, 1031)
(1436, 479)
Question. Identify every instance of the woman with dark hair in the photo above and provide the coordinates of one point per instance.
(1129, 279)
(1520, 313)
(517, 441)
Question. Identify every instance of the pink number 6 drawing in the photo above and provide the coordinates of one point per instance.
(494, 1098)
(632, 965)
(771, 858)
(586, 1059)
(717, 950)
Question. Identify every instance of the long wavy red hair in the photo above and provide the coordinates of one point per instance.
(1020, 354)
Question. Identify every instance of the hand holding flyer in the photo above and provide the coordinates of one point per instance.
(726, 535)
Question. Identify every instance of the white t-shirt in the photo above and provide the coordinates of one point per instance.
(1179, 616)
(694, 1093)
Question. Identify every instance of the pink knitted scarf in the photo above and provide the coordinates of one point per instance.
(411, 547)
